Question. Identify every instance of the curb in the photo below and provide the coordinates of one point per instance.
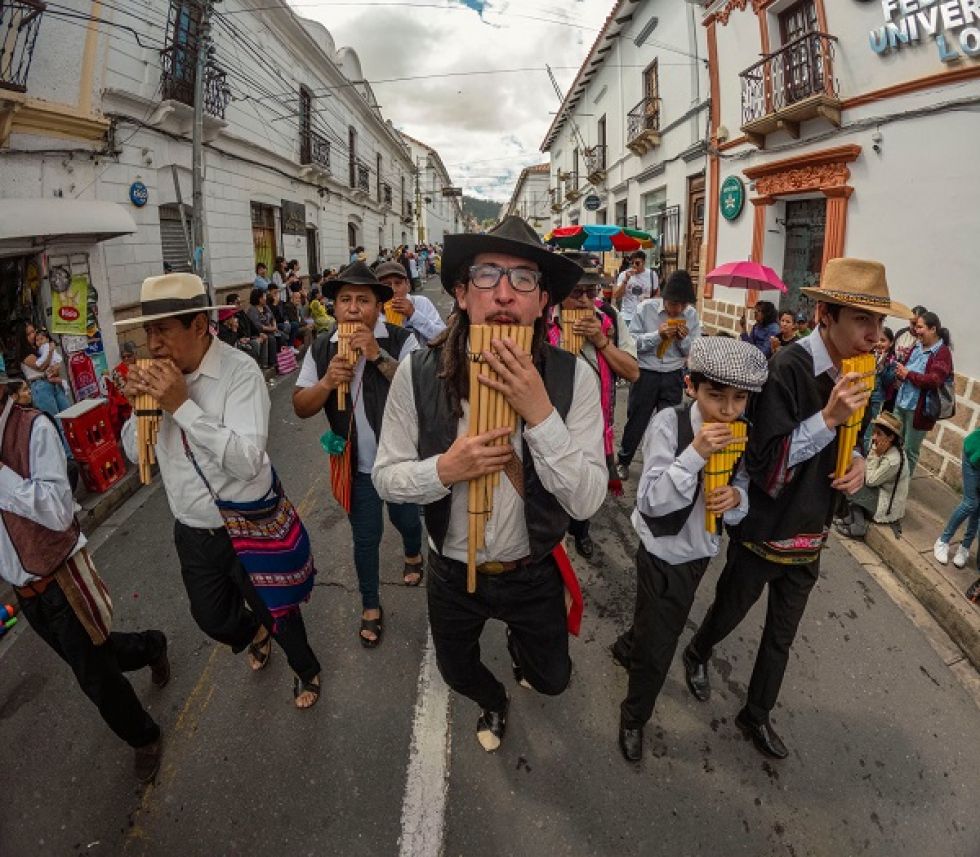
(940, 598)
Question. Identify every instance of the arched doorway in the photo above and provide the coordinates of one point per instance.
(352, 241)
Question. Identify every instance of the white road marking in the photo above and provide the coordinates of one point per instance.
(427, 781)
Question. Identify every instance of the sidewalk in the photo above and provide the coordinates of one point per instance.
(937, 587)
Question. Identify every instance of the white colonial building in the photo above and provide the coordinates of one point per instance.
(628, 143)
(95, 130)
(439, 210)
(850, 128)
(531, 199)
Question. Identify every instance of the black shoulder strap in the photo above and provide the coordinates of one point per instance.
(672, 523)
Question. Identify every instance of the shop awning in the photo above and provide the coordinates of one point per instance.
(35, 222)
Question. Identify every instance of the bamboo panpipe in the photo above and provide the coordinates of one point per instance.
(488, 410)
(719, 469)
(345, 330)
(393, 316)
(847, 434)
(665, 343)
(570, 340)
(148, 412)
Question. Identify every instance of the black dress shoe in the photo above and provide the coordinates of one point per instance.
(490, 727)
(763, 736)
(160, 668)
(631, 742)
(620, 654)
(584, 546)
(515, 664)
(696, 674)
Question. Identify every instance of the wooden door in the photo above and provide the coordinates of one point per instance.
(802, 70)
(651, 95)
(695, 224)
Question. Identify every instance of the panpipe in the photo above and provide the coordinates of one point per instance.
(148, 412)
(345, 330)
(718, 470)
(488, 410)
(665, 343)
(392, 316)
(570, 340)
(847, 434)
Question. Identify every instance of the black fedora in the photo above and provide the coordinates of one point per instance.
(514, 237)
(590, 275)
(357, 274)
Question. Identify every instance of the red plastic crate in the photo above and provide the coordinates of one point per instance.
(103, 469)
(87, 427)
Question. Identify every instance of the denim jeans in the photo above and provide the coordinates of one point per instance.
(969, 508)
(911, 437)
(368, 526)
(52, 399)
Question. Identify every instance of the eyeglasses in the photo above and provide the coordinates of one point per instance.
(589, 292)
(487, 277)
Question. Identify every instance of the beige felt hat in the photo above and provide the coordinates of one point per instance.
(857, 283)
(169, 295)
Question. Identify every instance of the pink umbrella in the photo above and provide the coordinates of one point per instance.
(747, 275)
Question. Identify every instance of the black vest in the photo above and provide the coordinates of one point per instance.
(373, 392)
(545, 517)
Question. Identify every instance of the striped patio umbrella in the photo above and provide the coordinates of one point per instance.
(598, 238)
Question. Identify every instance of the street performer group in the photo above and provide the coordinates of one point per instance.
(495, 430)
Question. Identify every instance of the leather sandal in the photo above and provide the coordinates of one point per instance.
(412, 568)
(261, 652)
(301, 687)
(373, 626)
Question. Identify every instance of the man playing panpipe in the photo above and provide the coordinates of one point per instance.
(609, 350)
(419, 314)
(358, 295)
(552, 468)
(663, 329)
(211, 452)
(790, 459)
(672, 499)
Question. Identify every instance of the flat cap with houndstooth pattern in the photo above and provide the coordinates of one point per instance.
(729, 361)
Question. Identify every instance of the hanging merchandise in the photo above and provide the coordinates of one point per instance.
(69, 305)
(96, 352)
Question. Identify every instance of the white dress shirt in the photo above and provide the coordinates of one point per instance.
(226, 420)
(367, 443)
(425, 322)
(568, 459)
(668, 484)
(812, 435)
(645, 329)
(44, 497)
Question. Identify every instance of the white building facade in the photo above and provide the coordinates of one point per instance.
(854, 135)
(628, 143)
(438, 207)
(299, 161)
(530, 199)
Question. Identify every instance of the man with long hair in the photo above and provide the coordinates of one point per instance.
(553, 467)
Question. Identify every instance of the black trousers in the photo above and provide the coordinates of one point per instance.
(530, 600)
(664, 596)
(652, 392)
(99, 669)
(226, 606)
(578, 529)
(739, 587)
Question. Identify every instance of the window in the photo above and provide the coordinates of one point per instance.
(653, 205)
(601, 146)
(180, 56)
(378, 161)
(312, 250)
(264, 234)
(173, 239)
(352, 154)
(802, 65)
(305, 125)
(575, 168)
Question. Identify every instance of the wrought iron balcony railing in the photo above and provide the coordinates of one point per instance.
(179, 65)
(595, 160)
(387, 195)
(315, 149)
(787, 82)
(363, 178)
(643, 119)
(19, 23)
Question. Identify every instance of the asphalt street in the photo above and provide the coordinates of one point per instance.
(884, 756)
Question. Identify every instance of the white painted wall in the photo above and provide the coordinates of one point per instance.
(530, 199)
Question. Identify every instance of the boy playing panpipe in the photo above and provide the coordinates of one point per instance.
(669, 517)
(550, 469)
(790, 460)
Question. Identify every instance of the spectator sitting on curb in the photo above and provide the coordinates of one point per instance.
(886, 481)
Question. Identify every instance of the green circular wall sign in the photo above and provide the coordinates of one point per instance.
(732, 198)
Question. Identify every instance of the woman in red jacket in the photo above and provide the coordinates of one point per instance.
(928, 367)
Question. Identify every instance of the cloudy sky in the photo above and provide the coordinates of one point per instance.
(486, 127)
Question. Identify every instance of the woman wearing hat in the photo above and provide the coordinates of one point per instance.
(553, 468)
(791, 451)
(886, 481)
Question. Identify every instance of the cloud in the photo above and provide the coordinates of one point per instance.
(486, 127)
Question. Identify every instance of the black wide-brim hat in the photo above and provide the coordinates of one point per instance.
(590, 275)
(514, 237)
(357, 274)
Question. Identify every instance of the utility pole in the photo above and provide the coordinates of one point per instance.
(419, 229)
(202, 260)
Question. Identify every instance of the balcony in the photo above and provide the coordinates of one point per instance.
(363, 179)
(179, 64)
(387, 196)
(790, 86)
(643, 126)
(20, 20)
(314, 155)
(595, 164)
